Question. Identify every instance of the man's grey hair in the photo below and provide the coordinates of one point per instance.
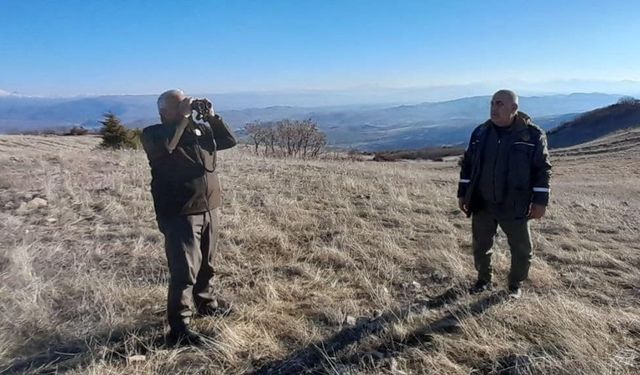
(509, 93)
(164, 98)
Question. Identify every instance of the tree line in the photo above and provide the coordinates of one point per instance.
(284, 138)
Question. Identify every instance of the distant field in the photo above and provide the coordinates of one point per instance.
(338, 267)
(15, 145)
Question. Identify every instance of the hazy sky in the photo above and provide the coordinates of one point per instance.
(114, 47)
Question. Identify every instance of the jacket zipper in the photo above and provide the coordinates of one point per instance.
(495, 162)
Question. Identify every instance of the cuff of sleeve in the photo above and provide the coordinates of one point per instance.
(540, 197)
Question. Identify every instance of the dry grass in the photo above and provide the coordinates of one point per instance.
(306, 247)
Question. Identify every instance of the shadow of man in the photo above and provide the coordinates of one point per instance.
(314, 355)
(422, 337)
(120, 342)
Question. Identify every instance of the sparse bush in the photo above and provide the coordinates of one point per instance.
(288, 138)
(42, 131)
(77, 130)
(433, 153)
(115, 135)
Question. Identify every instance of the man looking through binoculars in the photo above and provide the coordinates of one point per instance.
(186, 195)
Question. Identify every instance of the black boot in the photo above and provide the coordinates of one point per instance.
(515, 291)
(184, 337)
(217, 308)
(481, 286)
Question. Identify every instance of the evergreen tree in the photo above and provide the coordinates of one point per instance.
(114, 134)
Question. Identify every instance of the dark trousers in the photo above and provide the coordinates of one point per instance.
(484, 225)
(190, 243)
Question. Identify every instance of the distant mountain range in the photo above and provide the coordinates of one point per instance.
(365, 127)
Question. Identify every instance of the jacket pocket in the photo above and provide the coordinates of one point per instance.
(523, 150)
(520, 160)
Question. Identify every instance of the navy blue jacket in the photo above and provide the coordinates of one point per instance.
(528, 168)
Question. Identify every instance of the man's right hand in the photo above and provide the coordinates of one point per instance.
(184, 108)
(463, 206)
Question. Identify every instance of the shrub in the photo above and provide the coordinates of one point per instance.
(116, 136)
(287, 138)
(77, 130)
(433, 153)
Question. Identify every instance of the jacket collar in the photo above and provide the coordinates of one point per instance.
(521, 121)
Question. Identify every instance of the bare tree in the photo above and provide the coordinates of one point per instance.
(287, 138)
(254, 131)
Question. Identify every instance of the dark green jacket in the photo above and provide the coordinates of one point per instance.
(526, 166)
(184, 180)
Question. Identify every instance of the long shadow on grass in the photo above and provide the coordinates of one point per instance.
(423, 336)
(72, 355)
(313, 358)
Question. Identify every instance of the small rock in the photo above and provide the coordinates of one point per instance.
(9, 205)
(350, 320)
(23, 208)
(577, 205)
(393, 366)
(51, 220)
(136, 358)
(448, 325)
(28, 196)
(416, 285)
(36, 203)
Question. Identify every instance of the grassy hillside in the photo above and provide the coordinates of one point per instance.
(596, 124)
(334, 266)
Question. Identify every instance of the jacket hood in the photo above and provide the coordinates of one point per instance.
(525, 117)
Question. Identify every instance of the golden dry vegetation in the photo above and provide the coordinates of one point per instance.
(334, 266)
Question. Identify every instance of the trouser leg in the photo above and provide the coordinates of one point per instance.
(483, 228)
(519, 239)
(203, 290)
(182, 238)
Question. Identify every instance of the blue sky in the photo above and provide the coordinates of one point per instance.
(133, 47)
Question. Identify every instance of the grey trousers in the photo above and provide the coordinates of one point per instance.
(484, 225)
(190, 244)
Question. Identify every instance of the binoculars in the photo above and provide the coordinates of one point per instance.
(202, 108)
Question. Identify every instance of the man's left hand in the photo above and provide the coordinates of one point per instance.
(536, 211)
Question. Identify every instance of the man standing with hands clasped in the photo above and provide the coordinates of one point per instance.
(504, 180)
(186, 195)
